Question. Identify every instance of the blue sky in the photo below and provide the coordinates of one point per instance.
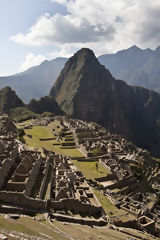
(17, 16)
(34, 30)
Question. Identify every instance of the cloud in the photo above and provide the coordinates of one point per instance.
(64, 52)
(64, 29)
(101, 25)
(31, 60)
(59, 1)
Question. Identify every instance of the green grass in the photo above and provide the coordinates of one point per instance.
(30, 226)
(80, 232)
(21, 114)
(89, 169)
(45, 132)
(110, 209)
(106, 204)
(13, 225)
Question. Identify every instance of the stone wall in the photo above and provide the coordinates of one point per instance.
(6, 166)
(109, 177)
(105, 166)
(16, 186)
(82, 221)
(46, 139)
(20, 200)
(76, 207)
(122, 183)
(33, 176)
(42, 188)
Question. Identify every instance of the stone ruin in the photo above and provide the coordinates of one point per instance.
(128, 167)
(32, 183)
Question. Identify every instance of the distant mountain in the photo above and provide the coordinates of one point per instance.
(35, 82)
(9, 100)
(86, 90)
(135, 66)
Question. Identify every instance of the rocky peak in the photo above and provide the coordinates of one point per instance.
(87, 91)
(9, 99)
(82, 73)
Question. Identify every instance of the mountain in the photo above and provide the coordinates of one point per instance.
(35, 82)
(44, 104)
(135, 66)
(10, 103)
(86, 90)
(9, 100)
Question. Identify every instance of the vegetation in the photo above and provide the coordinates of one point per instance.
(44, 104)
(29, 226)
(86, 135)
(41, 132)
(89, 169)
(20, 114)
(97, 152)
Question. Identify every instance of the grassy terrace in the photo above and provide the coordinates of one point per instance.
(86, 233)
(89, 169)
(29, 226)
(45, 132)
(110, 209)
(61, 231)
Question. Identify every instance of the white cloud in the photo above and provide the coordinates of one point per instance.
(64, 29)
(60, 1)
(102, 25)
(64, 52)
(31, 60)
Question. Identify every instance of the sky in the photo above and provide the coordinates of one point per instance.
(34, 30)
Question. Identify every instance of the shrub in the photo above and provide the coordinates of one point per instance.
(97, 152)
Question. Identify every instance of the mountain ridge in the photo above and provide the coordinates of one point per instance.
(134, 65)
(36, 81)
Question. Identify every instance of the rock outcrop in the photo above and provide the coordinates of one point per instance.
(9, 100)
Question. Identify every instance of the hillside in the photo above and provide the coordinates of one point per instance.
(86, 90)
(36, 81)
(44, 104)
(135, 66)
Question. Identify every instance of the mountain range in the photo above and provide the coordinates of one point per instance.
(135, 66)
(35, 82)
(86, 90)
